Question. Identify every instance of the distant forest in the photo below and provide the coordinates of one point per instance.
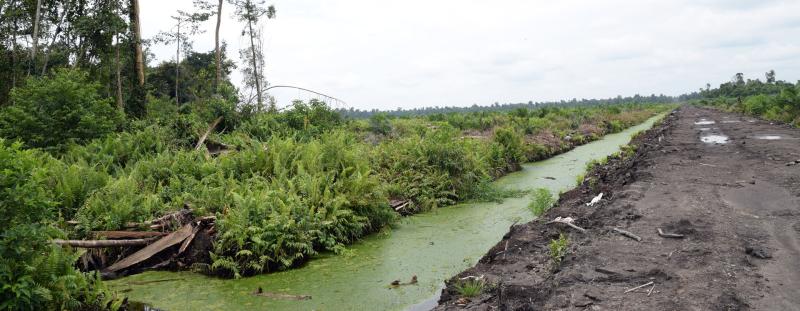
(737, 87)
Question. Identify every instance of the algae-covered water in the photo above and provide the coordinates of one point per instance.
(434, 246)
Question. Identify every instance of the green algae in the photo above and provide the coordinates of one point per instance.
(433, 246)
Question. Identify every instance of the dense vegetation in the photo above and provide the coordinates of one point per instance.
(772, 100)
(288, 185)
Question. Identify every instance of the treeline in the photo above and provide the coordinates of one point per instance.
(400, 112)
(772, 99)
(103, 39)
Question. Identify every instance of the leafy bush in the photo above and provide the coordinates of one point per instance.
(542, 201)
(53, 112)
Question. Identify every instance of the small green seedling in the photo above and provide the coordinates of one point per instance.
(558, 248)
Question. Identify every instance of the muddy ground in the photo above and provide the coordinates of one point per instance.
(737, 204)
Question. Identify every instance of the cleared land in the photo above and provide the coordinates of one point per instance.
(730, 188)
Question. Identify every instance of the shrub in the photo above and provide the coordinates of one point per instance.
(52, 112)
(379, 124)
(470, 288)
(542, 201)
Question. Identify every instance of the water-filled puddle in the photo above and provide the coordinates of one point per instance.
(714, 139)
(731, 121)
(768, 137)
(705, 122)
(705, 128)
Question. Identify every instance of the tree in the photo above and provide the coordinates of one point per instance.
(35, 35)
(770, 76)
(217, 52)
(738, 78)
(136, 32)
(186, 24)
(249, 12)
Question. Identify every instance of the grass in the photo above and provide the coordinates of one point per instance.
(542, 201)
(558, 248)
(470, 287)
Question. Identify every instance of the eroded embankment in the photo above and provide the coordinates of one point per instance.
(728, 211)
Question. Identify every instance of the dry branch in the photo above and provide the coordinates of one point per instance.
(104, 243)
(670, 235)
(567, 221)
(640, 286)
(628, 234)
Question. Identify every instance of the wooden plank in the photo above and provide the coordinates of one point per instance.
(153, 249)
(128, 234)
(103, 243)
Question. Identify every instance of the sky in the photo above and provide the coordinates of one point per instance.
(379, 54)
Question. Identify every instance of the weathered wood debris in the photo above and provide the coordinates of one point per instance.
(142, 250)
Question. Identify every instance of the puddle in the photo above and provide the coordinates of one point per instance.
(704, 122)
(715, 139)
(767, 137)
(731, 121)
(705, 128)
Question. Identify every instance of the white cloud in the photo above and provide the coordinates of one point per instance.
(388, 54)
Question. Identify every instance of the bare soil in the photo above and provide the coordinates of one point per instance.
(736, 203)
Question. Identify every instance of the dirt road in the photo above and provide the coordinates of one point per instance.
(727, 183)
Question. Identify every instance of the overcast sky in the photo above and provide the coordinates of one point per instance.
(388, 54)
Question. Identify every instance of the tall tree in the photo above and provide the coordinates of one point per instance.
(136, 32)
(770, 76)
(186, 24)
(217, 52)
(249, 12)
(35, 35)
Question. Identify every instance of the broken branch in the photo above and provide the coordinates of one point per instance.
(567, 221)
(210, 128)
(628, 234)
(669, 235)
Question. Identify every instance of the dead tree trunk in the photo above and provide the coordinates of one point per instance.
(217, 50)
(256, 73)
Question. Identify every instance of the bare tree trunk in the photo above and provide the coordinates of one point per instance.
(178, 65)
(256, 73)
(53, 40)
(120, 103)
(217, 50)
(35, 34)
(14, 50)
(137, 41)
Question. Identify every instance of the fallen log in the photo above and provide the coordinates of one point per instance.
(670, 235)
(628, 234)
(260, 292)
(161, 222)
(152, 249)
(127, 234)
(104, 243)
